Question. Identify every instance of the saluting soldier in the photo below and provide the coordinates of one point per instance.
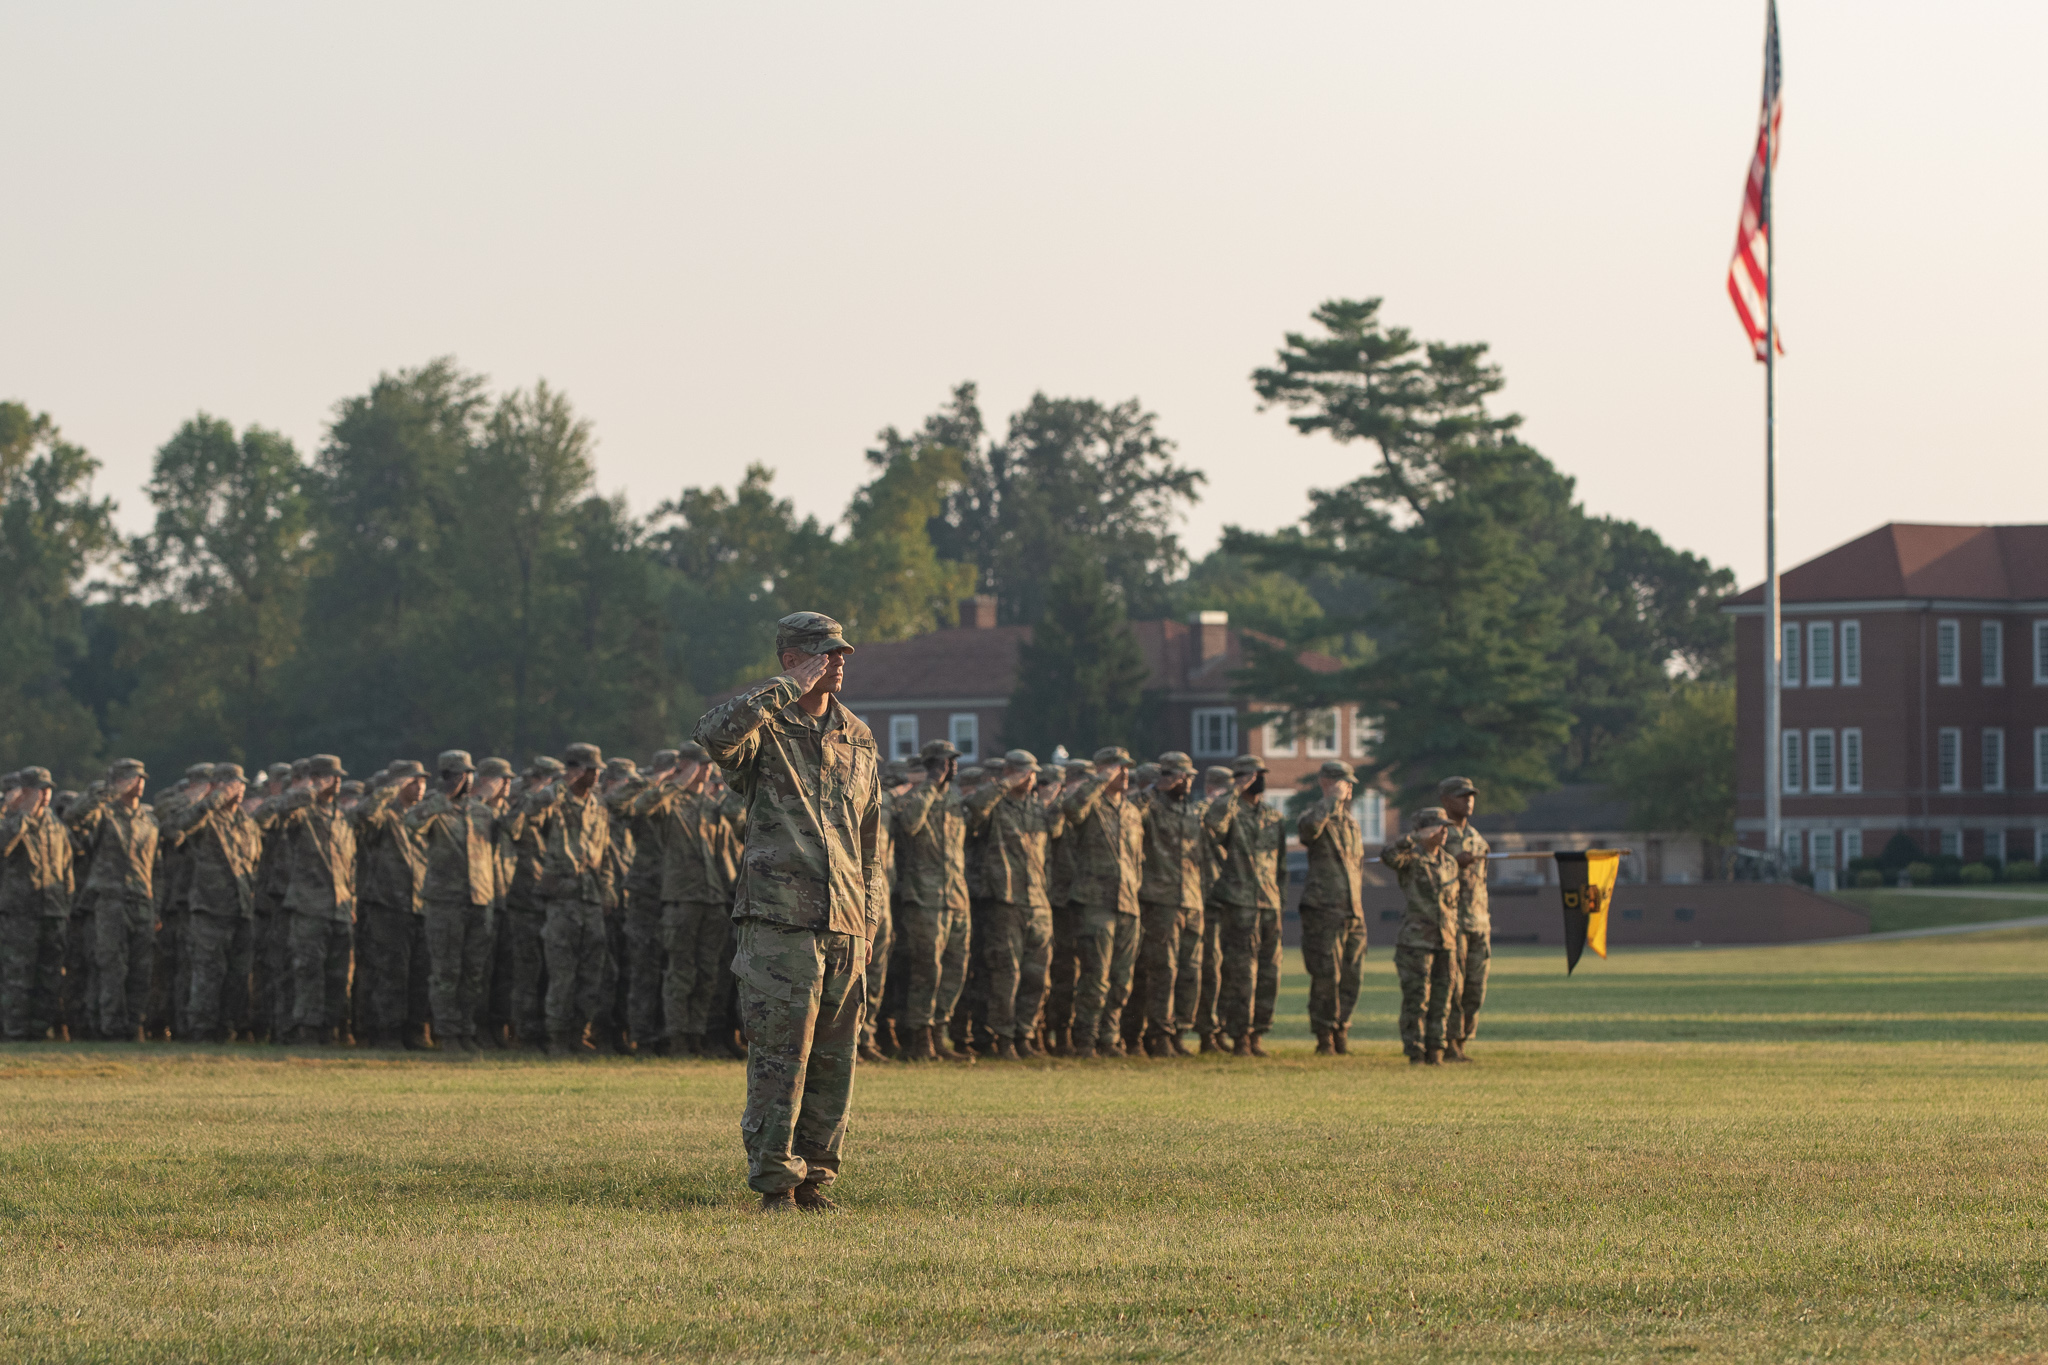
(1475, 920)
(1106, 830)
(117, 837)
(1216, 789)
(458, 836)
(526, 908)
(930, 826)
(1017, 823)
(224, 847)
(1253, 840)
(699, 859)
(1426, 955)
(1171, 901)
(575, 846)
(391, 943)
(1332, 907)
(35, 903)
(320, 900)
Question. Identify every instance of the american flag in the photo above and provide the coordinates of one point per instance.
(1750, 271)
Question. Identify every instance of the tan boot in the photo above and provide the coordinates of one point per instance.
(1256, 1050)
(1340, 1041)
(1323, 1045)
(1243, 1046)
(1432, 1058)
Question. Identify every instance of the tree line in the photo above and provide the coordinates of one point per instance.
(443, 571)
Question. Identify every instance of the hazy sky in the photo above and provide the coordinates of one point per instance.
(761, 232)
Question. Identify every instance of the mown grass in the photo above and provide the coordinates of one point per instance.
(1891, 910)
(1755, 1155)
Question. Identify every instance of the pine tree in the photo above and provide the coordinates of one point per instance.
(1081, 680)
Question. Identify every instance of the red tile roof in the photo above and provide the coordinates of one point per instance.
(1994, 563)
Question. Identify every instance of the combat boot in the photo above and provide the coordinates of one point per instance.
(918, 1046)
(1177, 1047)
(1323, 1045)
(1254, 1047)
(812, 1199)
(1082, 1052)
(947, 1052)
(1113, 1048)
(1243, 1046)
(1340, 1040)
(1454, 1050)
(1209, 1043)
(867, 1052)
(1006, 1051)
(782, 1201)
(1432, 1058)
(886, 1042)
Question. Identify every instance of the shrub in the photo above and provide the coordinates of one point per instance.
(1975, 874)
(1870, 876)
(2025, 870)
(1920, 874)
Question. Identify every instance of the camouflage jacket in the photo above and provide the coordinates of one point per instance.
(389, 860)
(1429, 881)
(699, 851)
(1017, 828)
(576, 845)
(885, 842)
(1174, 840)
(1059, 869)
(620, 852)
(1474, 916)
(119, 847)
(1336, 858)
(1250, 836)
(319, 857)
(930, 826)
(1108, 838)
(522, 892)
(270, 868)
(813, 809)
(35, 876)
(643, 878)
(224, 847)
(460, 841)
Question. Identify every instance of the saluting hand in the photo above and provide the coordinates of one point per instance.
(809, 669)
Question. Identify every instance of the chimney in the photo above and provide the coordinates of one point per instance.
(1212, 635)
(978, 612)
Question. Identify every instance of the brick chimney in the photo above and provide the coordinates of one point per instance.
(978, 612)
(1211, 631)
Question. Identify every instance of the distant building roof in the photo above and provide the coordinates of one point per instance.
(1907, 560)
(1576, 807)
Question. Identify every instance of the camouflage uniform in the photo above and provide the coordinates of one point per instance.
(1215, 786)
(1018, 944)
(1475, 918)
(645, 967)
(272, 1005)
(526, 910)
(223, 847)
(1253, 840)
(930, 827)
(809, 898)
(575, 855)
(620, 780)
(319, 903)
(894, 775)
(458, 838)
(497, 1022)
(1332, 911)
(699, 859)
(1427, 953)
(35, 902)
(171, 978)
(119, 848)
(1107, 835)
(1066, 925)
(391, 940)
(1170, 900)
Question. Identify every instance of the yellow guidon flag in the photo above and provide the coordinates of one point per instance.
(1586, 879)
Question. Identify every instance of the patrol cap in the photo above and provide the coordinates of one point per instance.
(547, 764)
(325, 765)
(121, 769)
(199, 772)
(1079, 767)
(621, 767)
(973, 772)
(1173, 760)
(494, 767)
(938, 748)
(455, 761)
(813, 632)
(405, 769)
(1144, 773)
(377, 778)
(351, 788)
(1017, 760)
(1455, 786)
(1247, 763)
(1113, 753)
(1216, 773)
(664, 758)
(300, 767)
(33, 777)
(224, 773)
(896, 770)
(690, 751)
(1339, 769)
(277, 772)
(583, 756)
(1429, 817)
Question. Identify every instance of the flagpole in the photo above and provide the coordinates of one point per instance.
(1774, 636)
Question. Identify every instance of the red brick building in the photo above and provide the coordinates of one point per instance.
(956, 684)
(1915, 697)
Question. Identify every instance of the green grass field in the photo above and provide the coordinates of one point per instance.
(1758, 1154)
(1891, 910)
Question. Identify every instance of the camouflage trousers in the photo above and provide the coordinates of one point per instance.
(1066, 967)
(122, 928)
(1429, 983)
(937, 949)
(1107, 946)
(31, 974)
(78, 1000)
(525, 926)
(1016, 953)
(1172, 953)
(1251, 969)
(219, 950)
(1210, 973)
(801, 1005)
(1333, 952)
(1472, 993)
(273, 973)
(322, 952)
(877, 982)
(698, 936)
(581, 975)
(170, 983)
(458, 956)
(645, 967)
(391, 967)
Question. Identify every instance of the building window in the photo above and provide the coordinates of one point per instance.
(1791, 655)
(1322, 734)
(1991, 644)
(1371, 810)
(1948, 651)
(1852, 653)
(1852, 845)
(1852, 760)
(902, 736)
(1951, 843)
(1820, 654)
(1215, 733)
(1824, 850)
(964, 729)
(1274, 747)
(1793, 781)
(2041, 653)
(1994, 760)
(1365, 735)
(1795, 853)
(2041, 760)
(2041, 846)
(1821, 767)
(1948, 759)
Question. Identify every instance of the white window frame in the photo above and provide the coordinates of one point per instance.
(1317, 721)
(1274, 748)
(1948, 653)
(1948, 843)
(1851, 759)
(1852, 846)
(1370, 808)
(1992, 756)
(900, 744)
(1365, 733)
(1795, 848)
(966, 723)
(1948, 758)
(2041, 653)
(2041, 759)
(1823, 841)
(2041, 846)
(1789, 658)
(1823, 761)
(1794, 775)
(1198, 738)
(1994, 845)
(1991, 651)
(1852, 654)
(1820, 654)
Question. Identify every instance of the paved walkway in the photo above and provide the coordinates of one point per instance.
(1967, 893)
